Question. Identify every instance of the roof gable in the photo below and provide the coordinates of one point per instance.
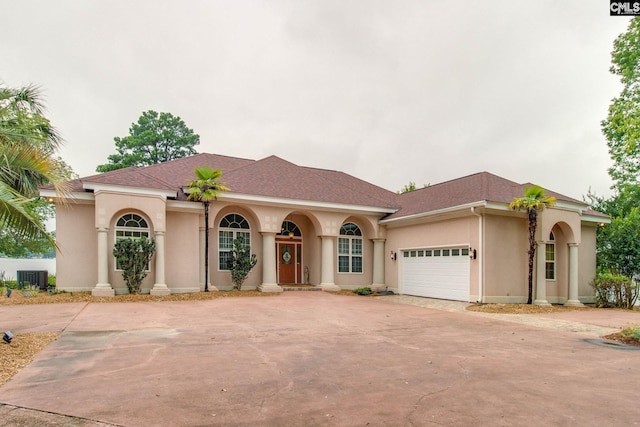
(275, 177)
(479, 187)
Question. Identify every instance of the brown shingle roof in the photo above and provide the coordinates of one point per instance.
(478, 187)
(275, 177)
(270, 177)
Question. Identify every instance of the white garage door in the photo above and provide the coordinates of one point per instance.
(436, 273)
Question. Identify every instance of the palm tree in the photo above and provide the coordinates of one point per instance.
(205, 189)
(27, 144)
(534, 200)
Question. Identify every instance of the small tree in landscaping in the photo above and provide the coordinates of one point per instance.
(533, 201)
(133, 258)
(241, 262)
(205, 189)
(613, 290)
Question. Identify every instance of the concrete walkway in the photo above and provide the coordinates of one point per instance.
(589, 323)
(311, 358)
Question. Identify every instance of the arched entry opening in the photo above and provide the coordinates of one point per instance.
(289, 254)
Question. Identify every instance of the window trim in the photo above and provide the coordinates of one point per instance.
(350, 234)
(234, 235)
(117, 228)
(551, 244)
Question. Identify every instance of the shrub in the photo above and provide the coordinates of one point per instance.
(29, 290)
(133, 257)
(6, 282)
(614, 291)
(241, 262)
(631, 332)
(363, 291)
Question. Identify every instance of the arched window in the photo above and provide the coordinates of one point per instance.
(350, 249)
(232, 226)
(131, 226)
(550, 258)
(290, 230)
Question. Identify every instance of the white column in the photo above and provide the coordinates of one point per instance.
(326, 273)
(159, 287)
(103, 287)
(269, 281)
(541, 276)
(573, 277)
(378, 264)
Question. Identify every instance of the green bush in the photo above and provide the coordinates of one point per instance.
(241, 262)
(134, 256)
(363, 291)
(631, 332)
(6, 282)
(614, 290)
(51, 280)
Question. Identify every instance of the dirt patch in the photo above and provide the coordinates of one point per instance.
(620, 338)
(524, 308)
(70, 297)
(21, 351)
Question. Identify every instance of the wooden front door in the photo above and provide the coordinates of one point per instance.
(289, 263)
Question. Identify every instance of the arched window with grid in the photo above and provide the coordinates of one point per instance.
(350, 249)
(131, 226)
(232, 226)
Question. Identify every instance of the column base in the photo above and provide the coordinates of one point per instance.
(542, 302)
(270, 287)
(378, 287)
(330, 287)
(103, 290)
(160, 290)
(573, 303)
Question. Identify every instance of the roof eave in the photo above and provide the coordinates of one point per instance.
(95, 187)
(479, 204)
(280, 201)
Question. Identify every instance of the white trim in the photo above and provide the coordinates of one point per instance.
(466, 206)
(129, 190)
(271, 201)
(73, 196)
(596, 219)
(447, 246)
(181, 205)
(574, 207)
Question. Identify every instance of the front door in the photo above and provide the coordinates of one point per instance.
(289, 265)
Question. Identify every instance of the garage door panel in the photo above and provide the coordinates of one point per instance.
(444, 277)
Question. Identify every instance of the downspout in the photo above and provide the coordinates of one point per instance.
(480, 255)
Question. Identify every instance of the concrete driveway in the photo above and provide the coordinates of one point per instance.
(310, 358)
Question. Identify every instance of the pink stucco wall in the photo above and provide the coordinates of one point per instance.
(77, 258)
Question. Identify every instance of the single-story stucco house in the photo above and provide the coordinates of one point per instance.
(455, 240)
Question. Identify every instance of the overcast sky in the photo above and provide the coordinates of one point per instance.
(387, 91)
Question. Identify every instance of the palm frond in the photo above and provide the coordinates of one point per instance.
(14, 215)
